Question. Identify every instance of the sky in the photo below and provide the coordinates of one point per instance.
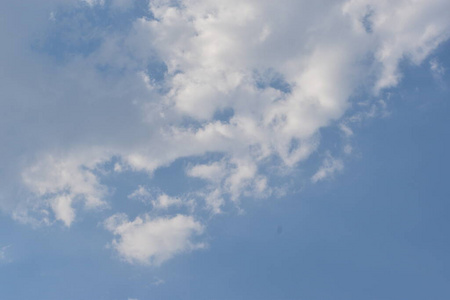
(206, 149)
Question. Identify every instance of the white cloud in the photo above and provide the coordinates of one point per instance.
(164, 202)
(214, 200)
(329, 166)
(62, 207)
(141, 194)
(346, 129)
(153, 241)
(401, 29)
(4, 257)
(63, 181)
(215, 171)
(437, 69)
(160, 201)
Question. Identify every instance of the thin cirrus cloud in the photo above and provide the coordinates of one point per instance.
(252, 81)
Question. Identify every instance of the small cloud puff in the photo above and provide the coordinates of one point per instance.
(330, 165)
(436, 68)
(4, 257)
(160, 201)
(153, 241)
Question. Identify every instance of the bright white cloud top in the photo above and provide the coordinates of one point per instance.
(153, 241)
(252, 82)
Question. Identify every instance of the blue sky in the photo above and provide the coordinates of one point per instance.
(224, 150)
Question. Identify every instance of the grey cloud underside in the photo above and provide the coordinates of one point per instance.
(252, 80)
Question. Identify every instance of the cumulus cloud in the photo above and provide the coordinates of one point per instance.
(252, 82)
(153, 241)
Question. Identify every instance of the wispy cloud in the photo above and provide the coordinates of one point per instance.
(4, 256)
(330, 166)
(436, 68)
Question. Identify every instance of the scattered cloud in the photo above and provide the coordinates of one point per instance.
(141, 194)
(62, 182)
(436, 68)
(153, 241)
(346, 130)
(4, 257)
(252, 82)
(159, 200)
(330, 166)
(158, 281)
(164, 202)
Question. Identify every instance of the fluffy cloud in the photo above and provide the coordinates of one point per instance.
(62, 182)
(401, 29)
(153, 241)
(251, 81)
